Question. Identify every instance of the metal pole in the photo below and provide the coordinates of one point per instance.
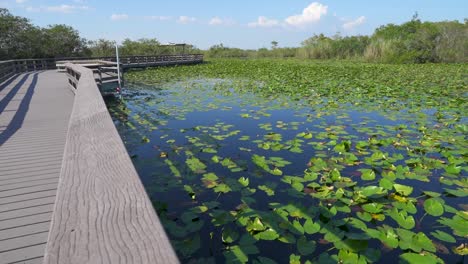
(118, 70)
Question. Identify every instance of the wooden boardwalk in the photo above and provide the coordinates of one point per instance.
(34, 114)
(69, 192)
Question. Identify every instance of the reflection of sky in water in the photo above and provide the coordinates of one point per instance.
(206, 103)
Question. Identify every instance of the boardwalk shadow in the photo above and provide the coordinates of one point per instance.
(8, 82)
(18, 119)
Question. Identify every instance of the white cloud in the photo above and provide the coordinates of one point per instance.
(160, 18)
(33, 9)
(117, 17)
(58, 9)
(263, 21)
(310, 14)
(354, 23)
(20, 1)
(186, 19)
(66, 8)
(217, 21)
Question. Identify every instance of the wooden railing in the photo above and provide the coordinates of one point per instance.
(104, 71)
(142, 58)
(102, 213)
(12, 67)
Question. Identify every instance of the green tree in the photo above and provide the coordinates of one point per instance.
(102, 48)
(63, 41)
(274, 44)
(17, 35)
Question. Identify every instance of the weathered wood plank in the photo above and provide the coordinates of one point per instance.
(25, 220)
(102, 213)
(27, 204)
(23, 241)
(24, 231)
(28, 196)
(26, 212)
(23, 185)
(22, 255)
(33, 178)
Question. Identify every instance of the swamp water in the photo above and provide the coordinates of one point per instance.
(242, 177)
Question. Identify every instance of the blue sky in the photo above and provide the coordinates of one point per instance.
(240, 23)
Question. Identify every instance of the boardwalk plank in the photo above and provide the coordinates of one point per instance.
(26, 204)
(23, 221)
(28, 196)
(26, 212)
(33, 126)
(23, 241)
(22, 254)
(51, 183)
(24, 231)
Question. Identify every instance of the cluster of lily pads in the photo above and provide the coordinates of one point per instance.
(277, 161)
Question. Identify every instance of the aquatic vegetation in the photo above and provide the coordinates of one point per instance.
(276, 161)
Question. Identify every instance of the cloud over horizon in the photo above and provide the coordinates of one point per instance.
(217, 21)
(263, 21)
(66, 9)
(354, 23)
(118, 17)
(310, 14)
(186, 20)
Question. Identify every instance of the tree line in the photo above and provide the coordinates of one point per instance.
(411, 42)
(20, 39)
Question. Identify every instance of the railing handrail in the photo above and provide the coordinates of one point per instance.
(98, 57)
(102, 212)
(9, 68)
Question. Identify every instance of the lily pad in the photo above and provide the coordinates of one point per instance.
(434, 207)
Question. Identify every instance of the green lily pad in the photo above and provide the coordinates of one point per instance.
(403, 189)
(311, 227)
(229, 235)
(244, 181)
(268, 234)
(413, 258)
(367, 174)
(255, 225)
(305, 247)
(441, 235)
(434, 207)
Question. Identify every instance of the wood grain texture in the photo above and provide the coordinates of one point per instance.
(102, 213)
(34, 113)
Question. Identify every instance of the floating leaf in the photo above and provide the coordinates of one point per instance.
(372, 207)
(367, 174)
(268, 234)
(244, 181)
(434, 207)
(421, 241)
(222, 188)
(461, 192)
(310, 227)
(229, 235)
(441, 235)
(413, 258)
(403, 189)
(453, 169)
(305, 247)
(195, 165)
(255, 225)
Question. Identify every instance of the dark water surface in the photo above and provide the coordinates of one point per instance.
(237, 176)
